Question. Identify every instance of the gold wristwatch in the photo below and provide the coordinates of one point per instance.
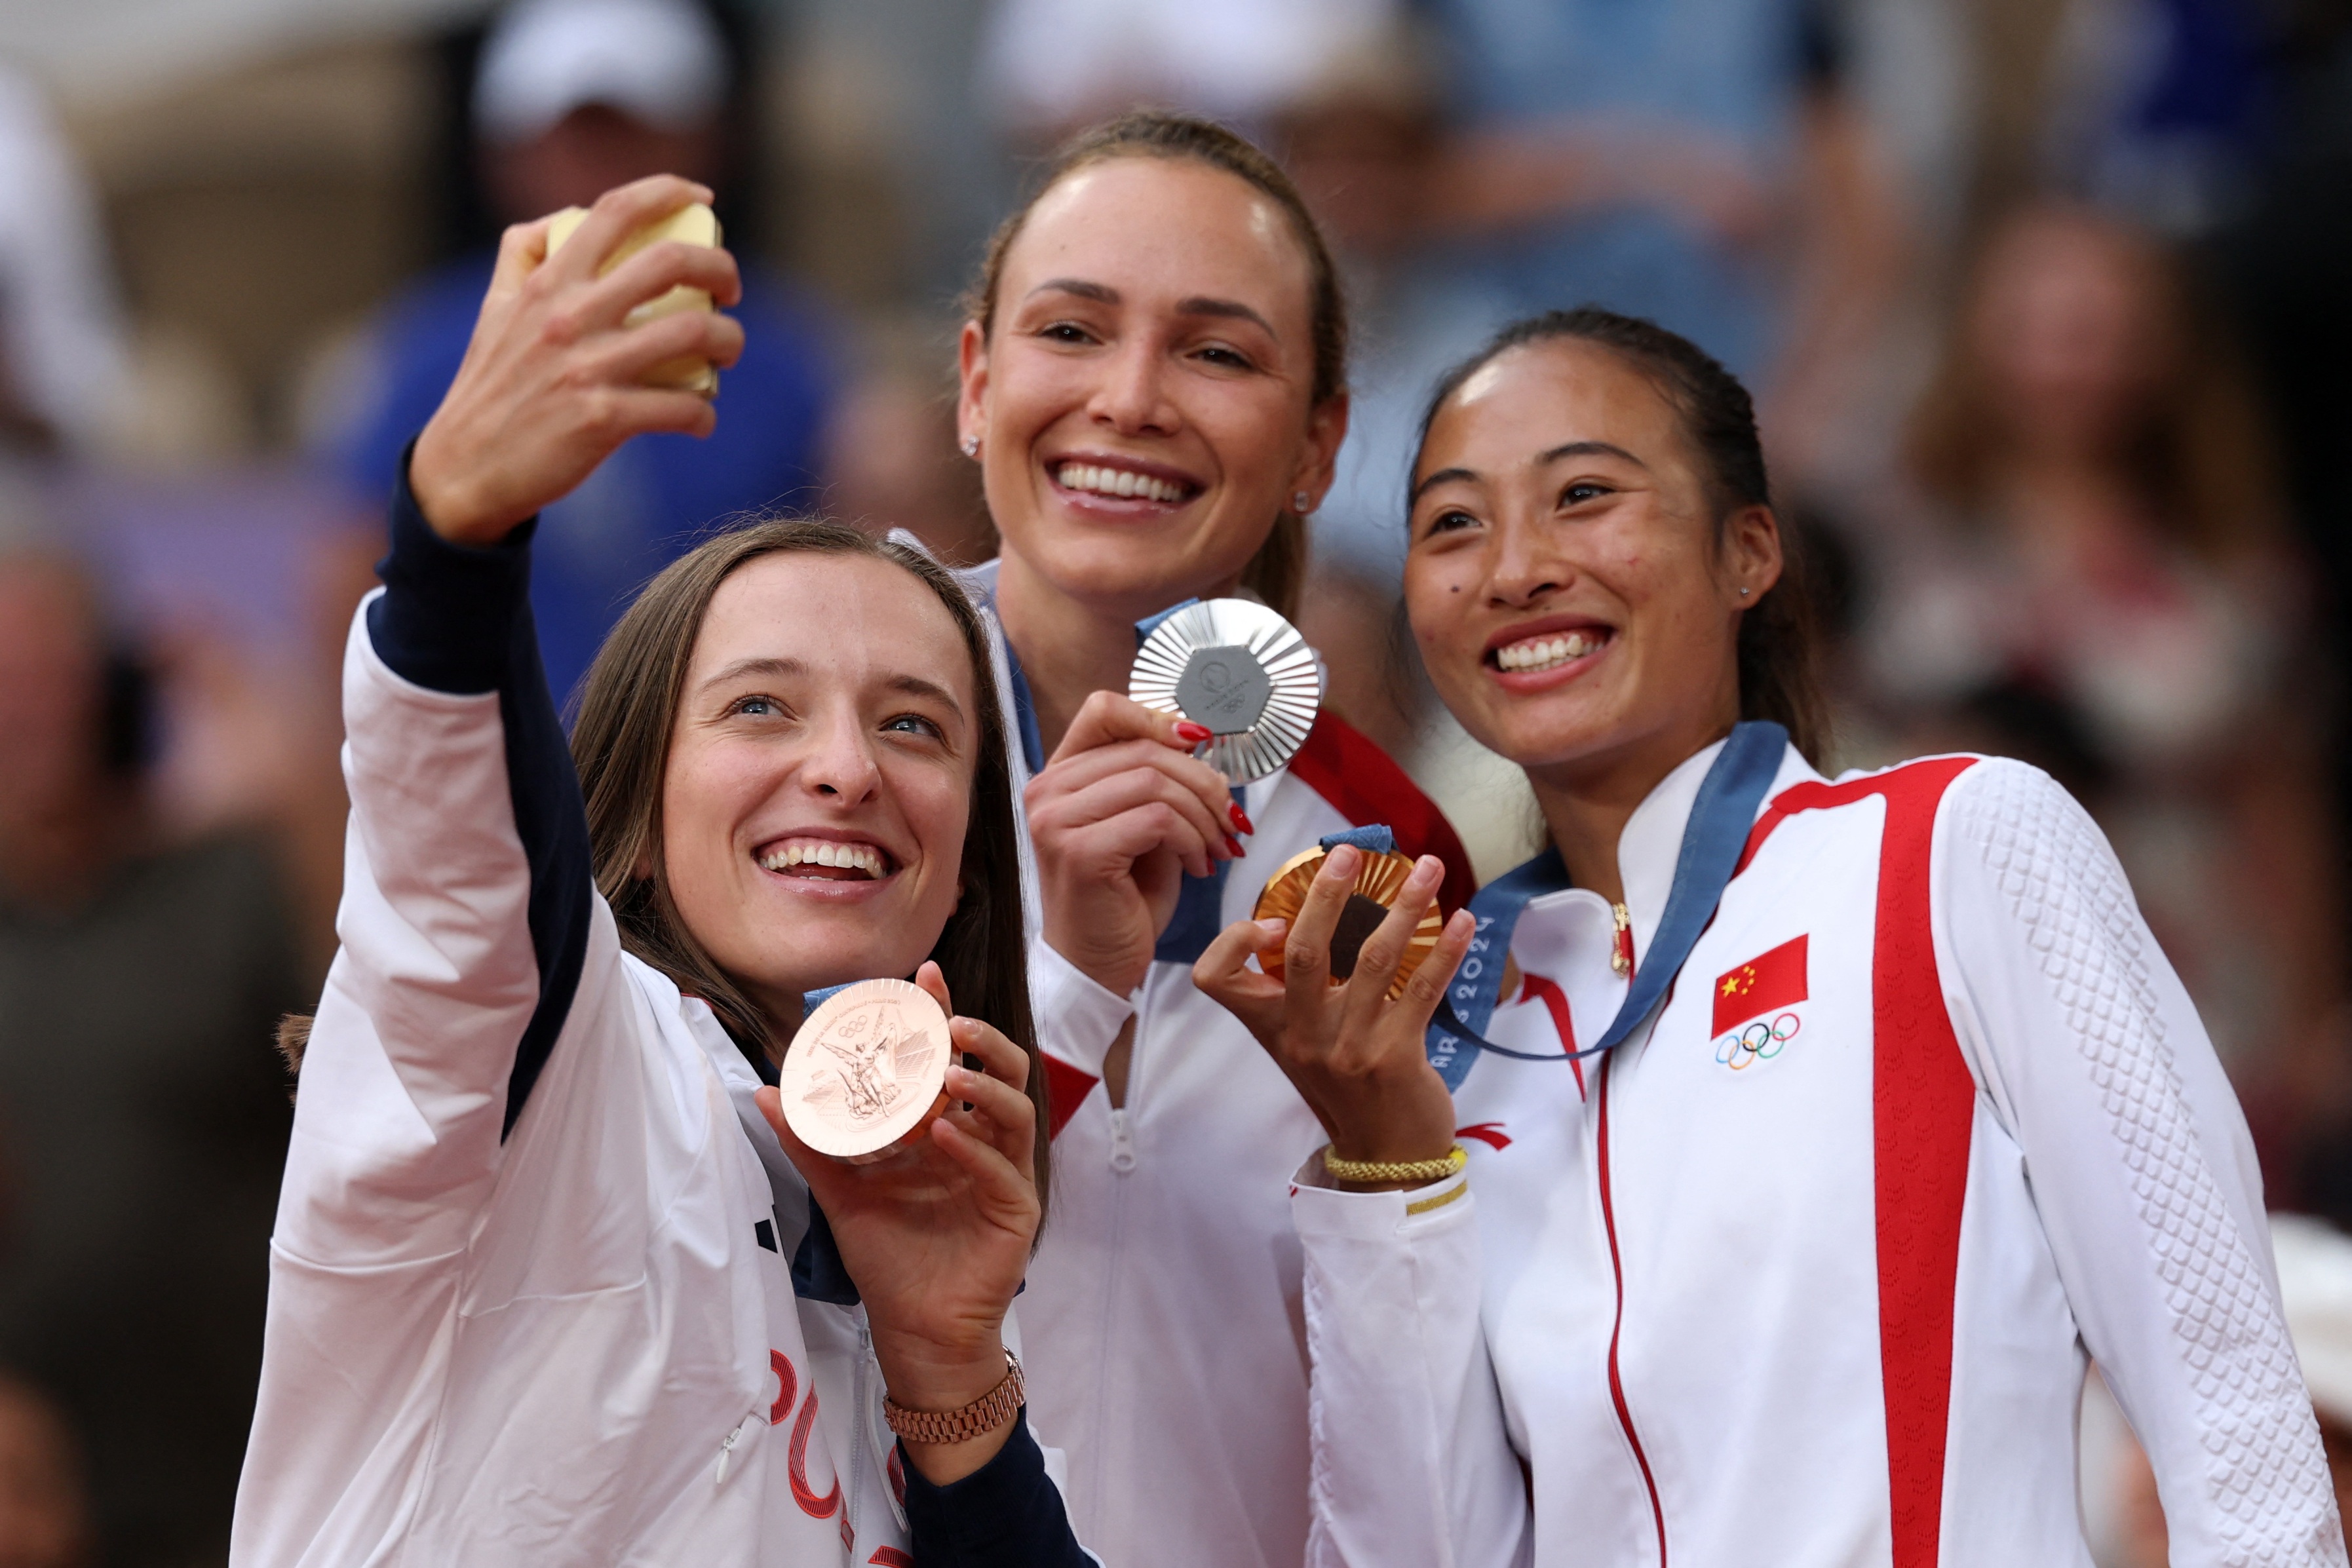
(982, 1417)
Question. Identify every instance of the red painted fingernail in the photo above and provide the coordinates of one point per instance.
(1234, 844)
(1240, 817)
(1192, 733)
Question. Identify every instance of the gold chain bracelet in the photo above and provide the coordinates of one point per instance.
(1444, 1165)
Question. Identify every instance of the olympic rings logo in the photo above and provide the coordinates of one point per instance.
(1759, 1041)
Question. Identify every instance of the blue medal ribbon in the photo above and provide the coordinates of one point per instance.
(1713, 838)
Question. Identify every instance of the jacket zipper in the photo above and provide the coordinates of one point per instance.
(727, 1445)
(1617, 1274)
(861, 1434)
(1122, 1141)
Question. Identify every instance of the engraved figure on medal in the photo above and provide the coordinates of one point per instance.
(865, 1070)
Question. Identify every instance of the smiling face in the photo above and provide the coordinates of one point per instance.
(1574, 597)
(820, 774)
(1145, 400)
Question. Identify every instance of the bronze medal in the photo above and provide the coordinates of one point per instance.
(865, 1070)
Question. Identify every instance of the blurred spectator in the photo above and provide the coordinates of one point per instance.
(2150, 107)
(1050, 67)
(2094, 578)
(44, 1508)
(142, 1113)
(891, 459)
(573, 97)
(61, 349)
(1656, 158)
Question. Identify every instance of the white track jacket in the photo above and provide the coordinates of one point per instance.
(532, 1281)
(1808, 1272)
(1166, 1349)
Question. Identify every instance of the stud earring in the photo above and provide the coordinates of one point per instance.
(1743, 593)
(1299, 502)
(971, 446)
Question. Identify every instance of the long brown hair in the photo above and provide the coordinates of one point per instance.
(1278, 571)
(1779, 647)
(620, 743)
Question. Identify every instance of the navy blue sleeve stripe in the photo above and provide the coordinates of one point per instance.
(1006, 1514)
(459, 620)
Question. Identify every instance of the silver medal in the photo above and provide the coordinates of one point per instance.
(1244, 671)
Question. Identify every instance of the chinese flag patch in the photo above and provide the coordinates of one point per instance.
(1761, 985)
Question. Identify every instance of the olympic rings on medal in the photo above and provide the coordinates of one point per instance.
(1759, 1041)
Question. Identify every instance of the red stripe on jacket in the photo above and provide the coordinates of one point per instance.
(1923, 1101)
(1360, 781)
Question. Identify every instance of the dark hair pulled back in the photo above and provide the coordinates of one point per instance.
(1278, 569)
(1779, 644)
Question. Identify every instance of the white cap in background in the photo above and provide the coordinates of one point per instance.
(2314, 1269)
(660, 61)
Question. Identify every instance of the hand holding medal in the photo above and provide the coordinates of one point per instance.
(1353, 1047)
(925, 1169)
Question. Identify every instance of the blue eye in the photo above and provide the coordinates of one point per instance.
(756, 707)
(914, 724)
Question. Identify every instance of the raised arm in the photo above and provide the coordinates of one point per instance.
(2143, 1174)
(468, 890)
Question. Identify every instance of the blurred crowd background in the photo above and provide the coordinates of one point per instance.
(2047, 306)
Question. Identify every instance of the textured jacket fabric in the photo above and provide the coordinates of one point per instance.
(1809, 1272)
(1167, 1353)
(532, 1279)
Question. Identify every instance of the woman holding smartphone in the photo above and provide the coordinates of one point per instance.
(552, 1280)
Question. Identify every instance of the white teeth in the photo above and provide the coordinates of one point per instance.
(1117, 482)
(1543, 653)
(824, 851)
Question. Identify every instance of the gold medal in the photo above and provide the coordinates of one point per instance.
(1379, 878)
(866, 1071)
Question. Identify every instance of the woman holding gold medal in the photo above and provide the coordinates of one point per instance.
(1798, 1193)
(1154, 386)
(552, 1279)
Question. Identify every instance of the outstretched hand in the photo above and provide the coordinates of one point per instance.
(1119, 817)
(550, 383)
(1356, 1057)
(938, 1233)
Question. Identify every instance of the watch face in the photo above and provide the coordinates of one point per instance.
(1242, 671)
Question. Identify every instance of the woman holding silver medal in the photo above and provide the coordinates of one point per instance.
(1824, 1293)
(1154, 385)
(551, 1280)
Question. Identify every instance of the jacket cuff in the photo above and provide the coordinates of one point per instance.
(1320, 1211)
(1078, 1019)
(445, 619)
(1006, 1514)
